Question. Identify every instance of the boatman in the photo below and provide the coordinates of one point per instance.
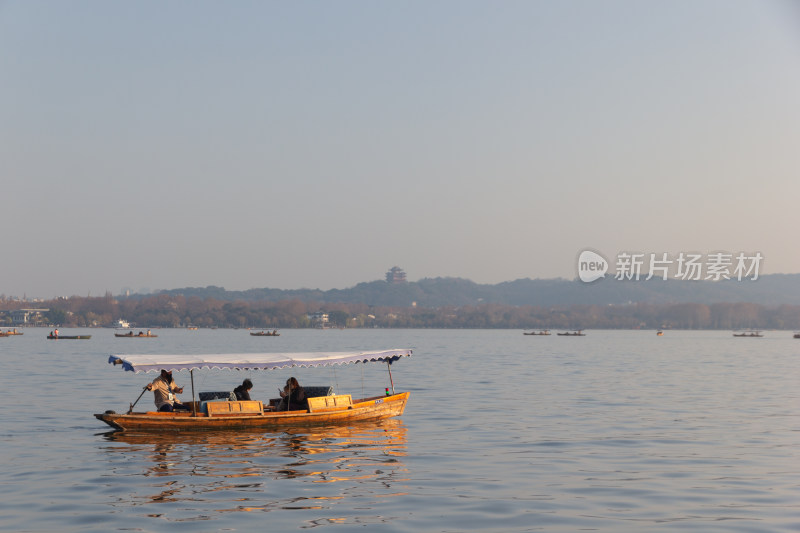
(164, 390)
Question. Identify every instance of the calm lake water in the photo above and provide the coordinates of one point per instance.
(616, 431)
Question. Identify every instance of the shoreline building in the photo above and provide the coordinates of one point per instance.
(319, 320)
(26, 317)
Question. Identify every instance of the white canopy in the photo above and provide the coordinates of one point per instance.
(251, 361)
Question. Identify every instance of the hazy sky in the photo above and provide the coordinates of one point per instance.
(316, 144)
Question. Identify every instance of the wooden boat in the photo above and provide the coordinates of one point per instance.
(542, 332)
(3, 334)
(797, 335)
(578, 333)
(140, 334)
(223, 415)
(59, 337)
(389, 434)
(12, 332)
(660, 333)
(273, 333)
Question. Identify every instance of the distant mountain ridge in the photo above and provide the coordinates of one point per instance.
(769, 290)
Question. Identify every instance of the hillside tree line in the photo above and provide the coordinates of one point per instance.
(164, 310)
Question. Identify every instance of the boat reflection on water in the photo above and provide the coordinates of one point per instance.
(247, 471)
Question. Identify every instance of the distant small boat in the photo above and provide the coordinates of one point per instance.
(191, 327)
(12, 332)
(797, 335)
(273, 333)
(59, 337)
(748, 334)
(3, 334)
(542, 332)
(140, 334)
(660, 333)
(578, 333)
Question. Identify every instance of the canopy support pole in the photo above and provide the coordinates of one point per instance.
(391, 381)
(194, 405)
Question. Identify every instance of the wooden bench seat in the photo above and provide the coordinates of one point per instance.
(329, 403)
(235, 408)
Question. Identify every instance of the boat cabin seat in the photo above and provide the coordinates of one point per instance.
(315, 391)
(233, 408)
(224, 395)
(329, 403)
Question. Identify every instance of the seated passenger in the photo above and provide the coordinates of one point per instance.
(294, 396)
(242, 392)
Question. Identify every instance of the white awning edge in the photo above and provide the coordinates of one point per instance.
(251, 361)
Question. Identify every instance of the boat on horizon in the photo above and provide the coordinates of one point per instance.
(140, 334)
(273, 333)
(576, 333)
(225, 414)
(754, 333)
(540, 332)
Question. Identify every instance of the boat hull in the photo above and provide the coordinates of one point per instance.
(369, 409)
(69, 337)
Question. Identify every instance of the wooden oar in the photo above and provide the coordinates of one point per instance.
(137, 400)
